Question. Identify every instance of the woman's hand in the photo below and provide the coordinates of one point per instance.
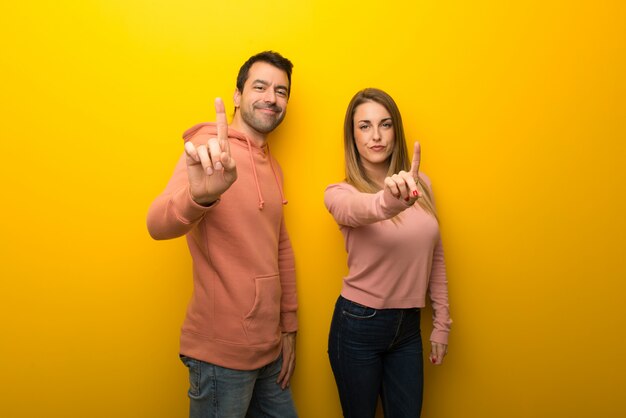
(437, 352)
(403, 185)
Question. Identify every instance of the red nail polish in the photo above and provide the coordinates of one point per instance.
(414, 192)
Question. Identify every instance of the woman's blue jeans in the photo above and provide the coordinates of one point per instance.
(218, 392)
(377, 352)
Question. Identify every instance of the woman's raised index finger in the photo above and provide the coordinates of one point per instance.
(415, 164)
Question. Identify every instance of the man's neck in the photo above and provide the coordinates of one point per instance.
(257, 138)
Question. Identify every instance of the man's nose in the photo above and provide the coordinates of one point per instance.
(270, 96)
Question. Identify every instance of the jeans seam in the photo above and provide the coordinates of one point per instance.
(394, 340)
(196, 377)
(215, 401)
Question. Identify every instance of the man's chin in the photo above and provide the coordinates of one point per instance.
(264, 123)
(270, 126)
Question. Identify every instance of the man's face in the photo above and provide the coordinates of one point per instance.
(263, 101)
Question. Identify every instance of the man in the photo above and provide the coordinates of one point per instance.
(238, 337)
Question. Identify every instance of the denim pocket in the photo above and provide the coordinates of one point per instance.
(194, 374)
(357, 311)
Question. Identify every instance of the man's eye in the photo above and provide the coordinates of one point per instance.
(281, 93)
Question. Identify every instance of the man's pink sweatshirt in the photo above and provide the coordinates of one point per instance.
(392, 263)
(244, 292)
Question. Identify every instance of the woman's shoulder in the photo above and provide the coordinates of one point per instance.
(425, 179)
(342, 186)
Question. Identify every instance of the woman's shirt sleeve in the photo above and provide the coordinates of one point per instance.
(352, 208)
(438, 292)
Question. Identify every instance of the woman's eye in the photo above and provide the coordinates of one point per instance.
(363, 127)
(387, 125)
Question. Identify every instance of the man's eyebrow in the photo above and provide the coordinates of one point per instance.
(266, 83)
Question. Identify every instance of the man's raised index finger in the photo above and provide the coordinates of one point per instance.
(415, 164)
(221, 122)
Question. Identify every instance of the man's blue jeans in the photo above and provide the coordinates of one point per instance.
(218, 392)
(377, 352)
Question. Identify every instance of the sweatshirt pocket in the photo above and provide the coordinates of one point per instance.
(262, 322)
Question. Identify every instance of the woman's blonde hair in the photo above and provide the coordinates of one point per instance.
(399, 159)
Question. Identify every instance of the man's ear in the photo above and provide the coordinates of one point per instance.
(237, 97)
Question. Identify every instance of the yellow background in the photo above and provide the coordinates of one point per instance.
(521, 112)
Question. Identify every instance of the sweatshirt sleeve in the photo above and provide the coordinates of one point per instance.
(287, 271)
(174, 213)
(352, 208)
(438, 292)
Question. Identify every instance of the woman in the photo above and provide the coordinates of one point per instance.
(385, 211)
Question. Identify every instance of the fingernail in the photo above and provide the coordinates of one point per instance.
(209, 171)
(218, 166)
(415, 193)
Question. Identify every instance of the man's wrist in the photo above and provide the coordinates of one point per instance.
(206, 201)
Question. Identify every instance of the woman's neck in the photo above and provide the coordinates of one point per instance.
(376, 172)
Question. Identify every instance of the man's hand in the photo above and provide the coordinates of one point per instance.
(289, 359)
(210, 167)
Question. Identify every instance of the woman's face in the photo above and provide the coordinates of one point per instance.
(373, 134)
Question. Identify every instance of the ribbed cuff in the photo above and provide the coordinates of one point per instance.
(186, 209)
(391, 204)
(288, 322)
(438, 336)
